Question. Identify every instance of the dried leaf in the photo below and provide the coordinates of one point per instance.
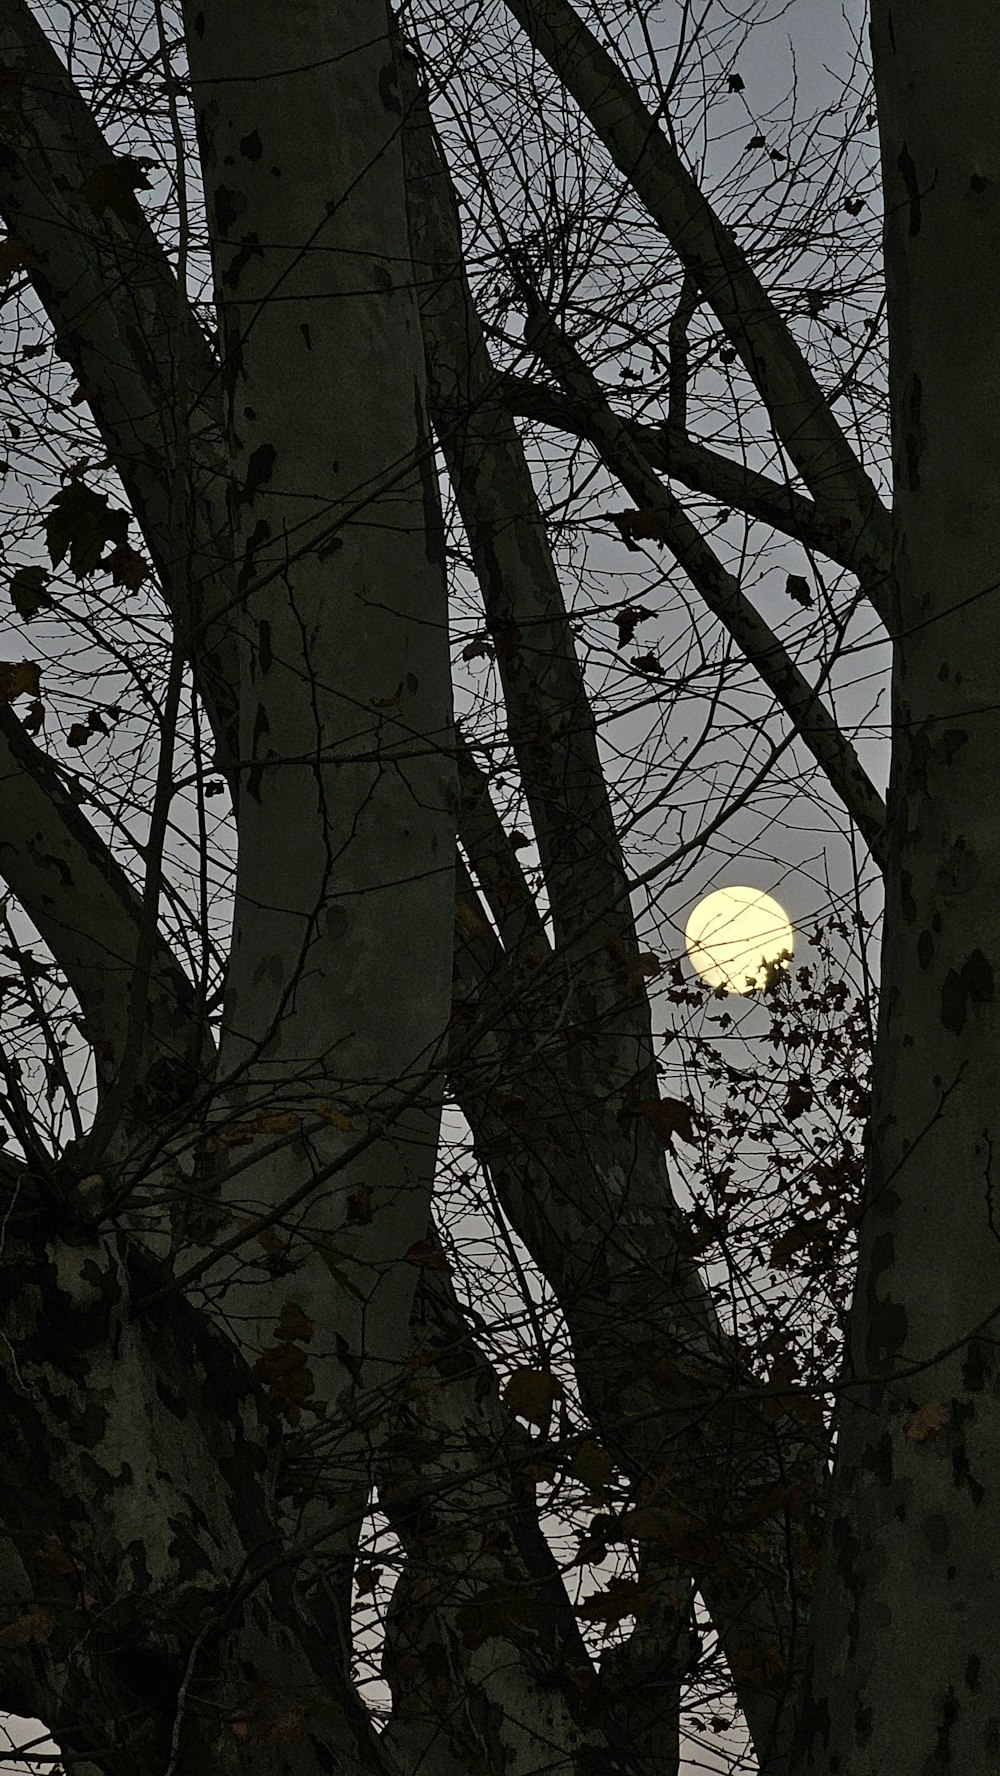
(336, 1119)
(114, 185)
(627, 621)
(927, 1421)
(799, 1235)
(800, 1097)
(471, 920)
(427, 1256)
(294, 1322)
(126, 566)
(669, 1117)
(12, 258)
(591, 1463)
(28, 591)
(531, 1394)
(626, 1598)
(36, 1624)
(798, 589)
(19, 678)
(80, 524)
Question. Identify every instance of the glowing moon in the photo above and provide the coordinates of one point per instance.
(733, 934)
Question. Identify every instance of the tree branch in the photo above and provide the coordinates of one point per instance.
(113, 302)
(797, 408)
(662, 517)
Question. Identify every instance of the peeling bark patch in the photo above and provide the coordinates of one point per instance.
(974, 983)
(251, 146)
(908, 174)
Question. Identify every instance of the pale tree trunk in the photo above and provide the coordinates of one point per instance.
(338, 989)
(906, 1671)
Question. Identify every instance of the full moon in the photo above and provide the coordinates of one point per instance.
(734, 934)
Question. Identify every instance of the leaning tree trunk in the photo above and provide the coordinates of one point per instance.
(907, 1659)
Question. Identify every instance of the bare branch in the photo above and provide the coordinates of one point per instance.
(661, 516)
(799, 414)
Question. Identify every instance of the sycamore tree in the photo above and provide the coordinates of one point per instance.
(328, 796)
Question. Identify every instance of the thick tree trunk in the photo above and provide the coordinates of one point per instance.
(339, 983)
(907, 1659)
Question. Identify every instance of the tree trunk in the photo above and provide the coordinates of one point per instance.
(906, 1664)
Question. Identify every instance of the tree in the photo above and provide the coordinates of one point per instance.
(232, 1303)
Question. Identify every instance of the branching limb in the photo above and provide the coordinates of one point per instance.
(669, 451)
(661, 516)
(797, 408)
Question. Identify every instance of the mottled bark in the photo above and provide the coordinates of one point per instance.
(906, 1670)
(148, 1611)
(486, 1663)
(345, 876)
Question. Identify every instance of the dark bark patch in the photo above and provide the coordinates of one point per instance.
(974, 984)
(952, 742)
(936, 1532)
(249, 249)
(228, 205)
(261, 727)
(863, 1725)
(972, 1672)
(925, 949)
(307, 336)
(887, 1322)
(261, 532)
(170, 1400)
(908, 174)
(251, 146)
(264, 646)
(947, 1713)
(978, 183)
(388, 89)
(908, 905)
(914, 435)
(973, 1368)
(260, 468)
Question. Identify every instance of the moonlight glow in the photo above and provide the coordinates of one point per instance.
(733, 934)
